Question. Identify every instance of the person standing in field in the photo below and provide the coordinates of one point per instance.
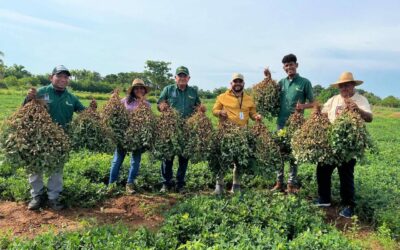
(184, 99)
(61, 106)
(238, 107)
(333, 107)
(296, 93)
(135, 94)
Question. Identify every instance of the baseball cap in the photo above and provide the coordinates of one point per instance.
(59, 69)
(237, 76)
(182, 69)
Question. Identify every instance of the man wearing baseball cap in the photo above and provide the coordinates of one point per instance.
(61, 106)
(238, 107)
(184, 99)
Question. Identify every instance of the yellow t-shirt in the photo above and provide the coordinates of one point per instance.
(335, 105)
(234, 106)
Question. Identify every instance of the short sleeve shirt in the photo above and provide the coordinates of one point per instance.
(298, 89)
(335, 105)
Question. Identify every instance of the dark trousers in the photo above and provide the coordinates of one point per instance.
(166, 171)
(346, 175)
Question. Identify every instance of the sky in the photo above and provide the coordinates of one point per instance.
(212, 38)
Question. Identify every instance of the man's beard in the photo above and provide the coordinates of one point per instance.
(237, 89)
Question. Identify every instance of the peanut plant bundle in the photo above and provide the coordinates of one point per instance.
(115, 116)
(266, 151)
(267, 96)
(284, 136)
(310, 143)
(230, 146)
(198, 133)
(33, 141)
(168, 135)
(88, 131)
(140, 133)
(349, 137)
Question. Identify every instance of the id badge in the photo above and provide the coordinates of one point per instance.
(241, 115)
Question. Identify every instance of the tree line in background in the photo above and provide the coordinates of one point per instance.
(156, 74)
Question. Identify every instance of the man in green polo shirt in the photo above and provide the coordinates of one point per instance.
(61, 106)
(296, 93)
(184, 99)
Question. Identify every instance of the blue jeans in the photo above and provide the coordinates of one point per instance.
(166, 171)
(119, 156)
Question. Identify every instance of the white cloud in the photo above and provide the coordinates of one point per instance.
(16, 17)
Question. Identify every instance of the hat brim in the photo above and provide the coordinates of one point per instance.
(356, 83)
(62, 71)
(182, 72)
(130, 89)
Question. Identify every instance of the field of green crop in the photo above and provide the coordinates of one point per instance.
(258, 219)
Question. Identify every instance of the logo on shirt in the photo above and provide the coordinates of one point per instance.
(69, 104)
(339, 110)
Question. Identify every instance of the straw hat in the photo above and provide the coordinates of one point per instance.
(344, 78)
(138, 83)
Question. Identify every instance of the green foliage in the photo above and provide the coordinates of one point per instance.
(139, 135)
(349, 137)
(267, 96)
(158, 72)
(310, 143)
(33, 141)
(266, 151)
(115, 117)
(88, 131)
(230, 146)
(169, 135)
(198, 134)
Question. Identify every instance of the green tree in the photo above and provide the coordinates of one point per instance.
(2, 66)
(391, 101)
(158, 73)
(326, 94)
(317, 89)
(18, 71)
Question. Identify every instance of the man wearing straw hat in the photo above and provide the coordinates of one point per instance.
(333, 107)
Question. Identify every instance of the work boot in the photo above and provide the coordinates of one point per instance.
(219, 189)
(292, 189)
(55, 205)
(164, 189)
(35, 203)
(278, 187)
(180, 190)
(347, 212)
(130, 188)
(235, 189)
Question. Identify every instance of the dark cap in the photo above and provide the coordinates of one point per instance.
(60, 68)
(182, 69)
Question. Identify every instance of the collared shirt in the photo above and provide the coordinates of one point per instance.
(234, 105)
(298, 89)
(184, 101)
(335, 105)
(133, 105)
(61, 105)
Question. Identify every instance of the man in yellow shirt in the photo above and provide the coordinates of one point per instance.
(238, 107)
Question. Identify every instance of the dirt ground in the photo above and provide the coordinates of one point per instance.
(133, 211)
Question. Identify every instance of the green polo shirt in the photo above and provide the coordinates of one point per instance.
(184, 101)
(292, 91)
(61, 106)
